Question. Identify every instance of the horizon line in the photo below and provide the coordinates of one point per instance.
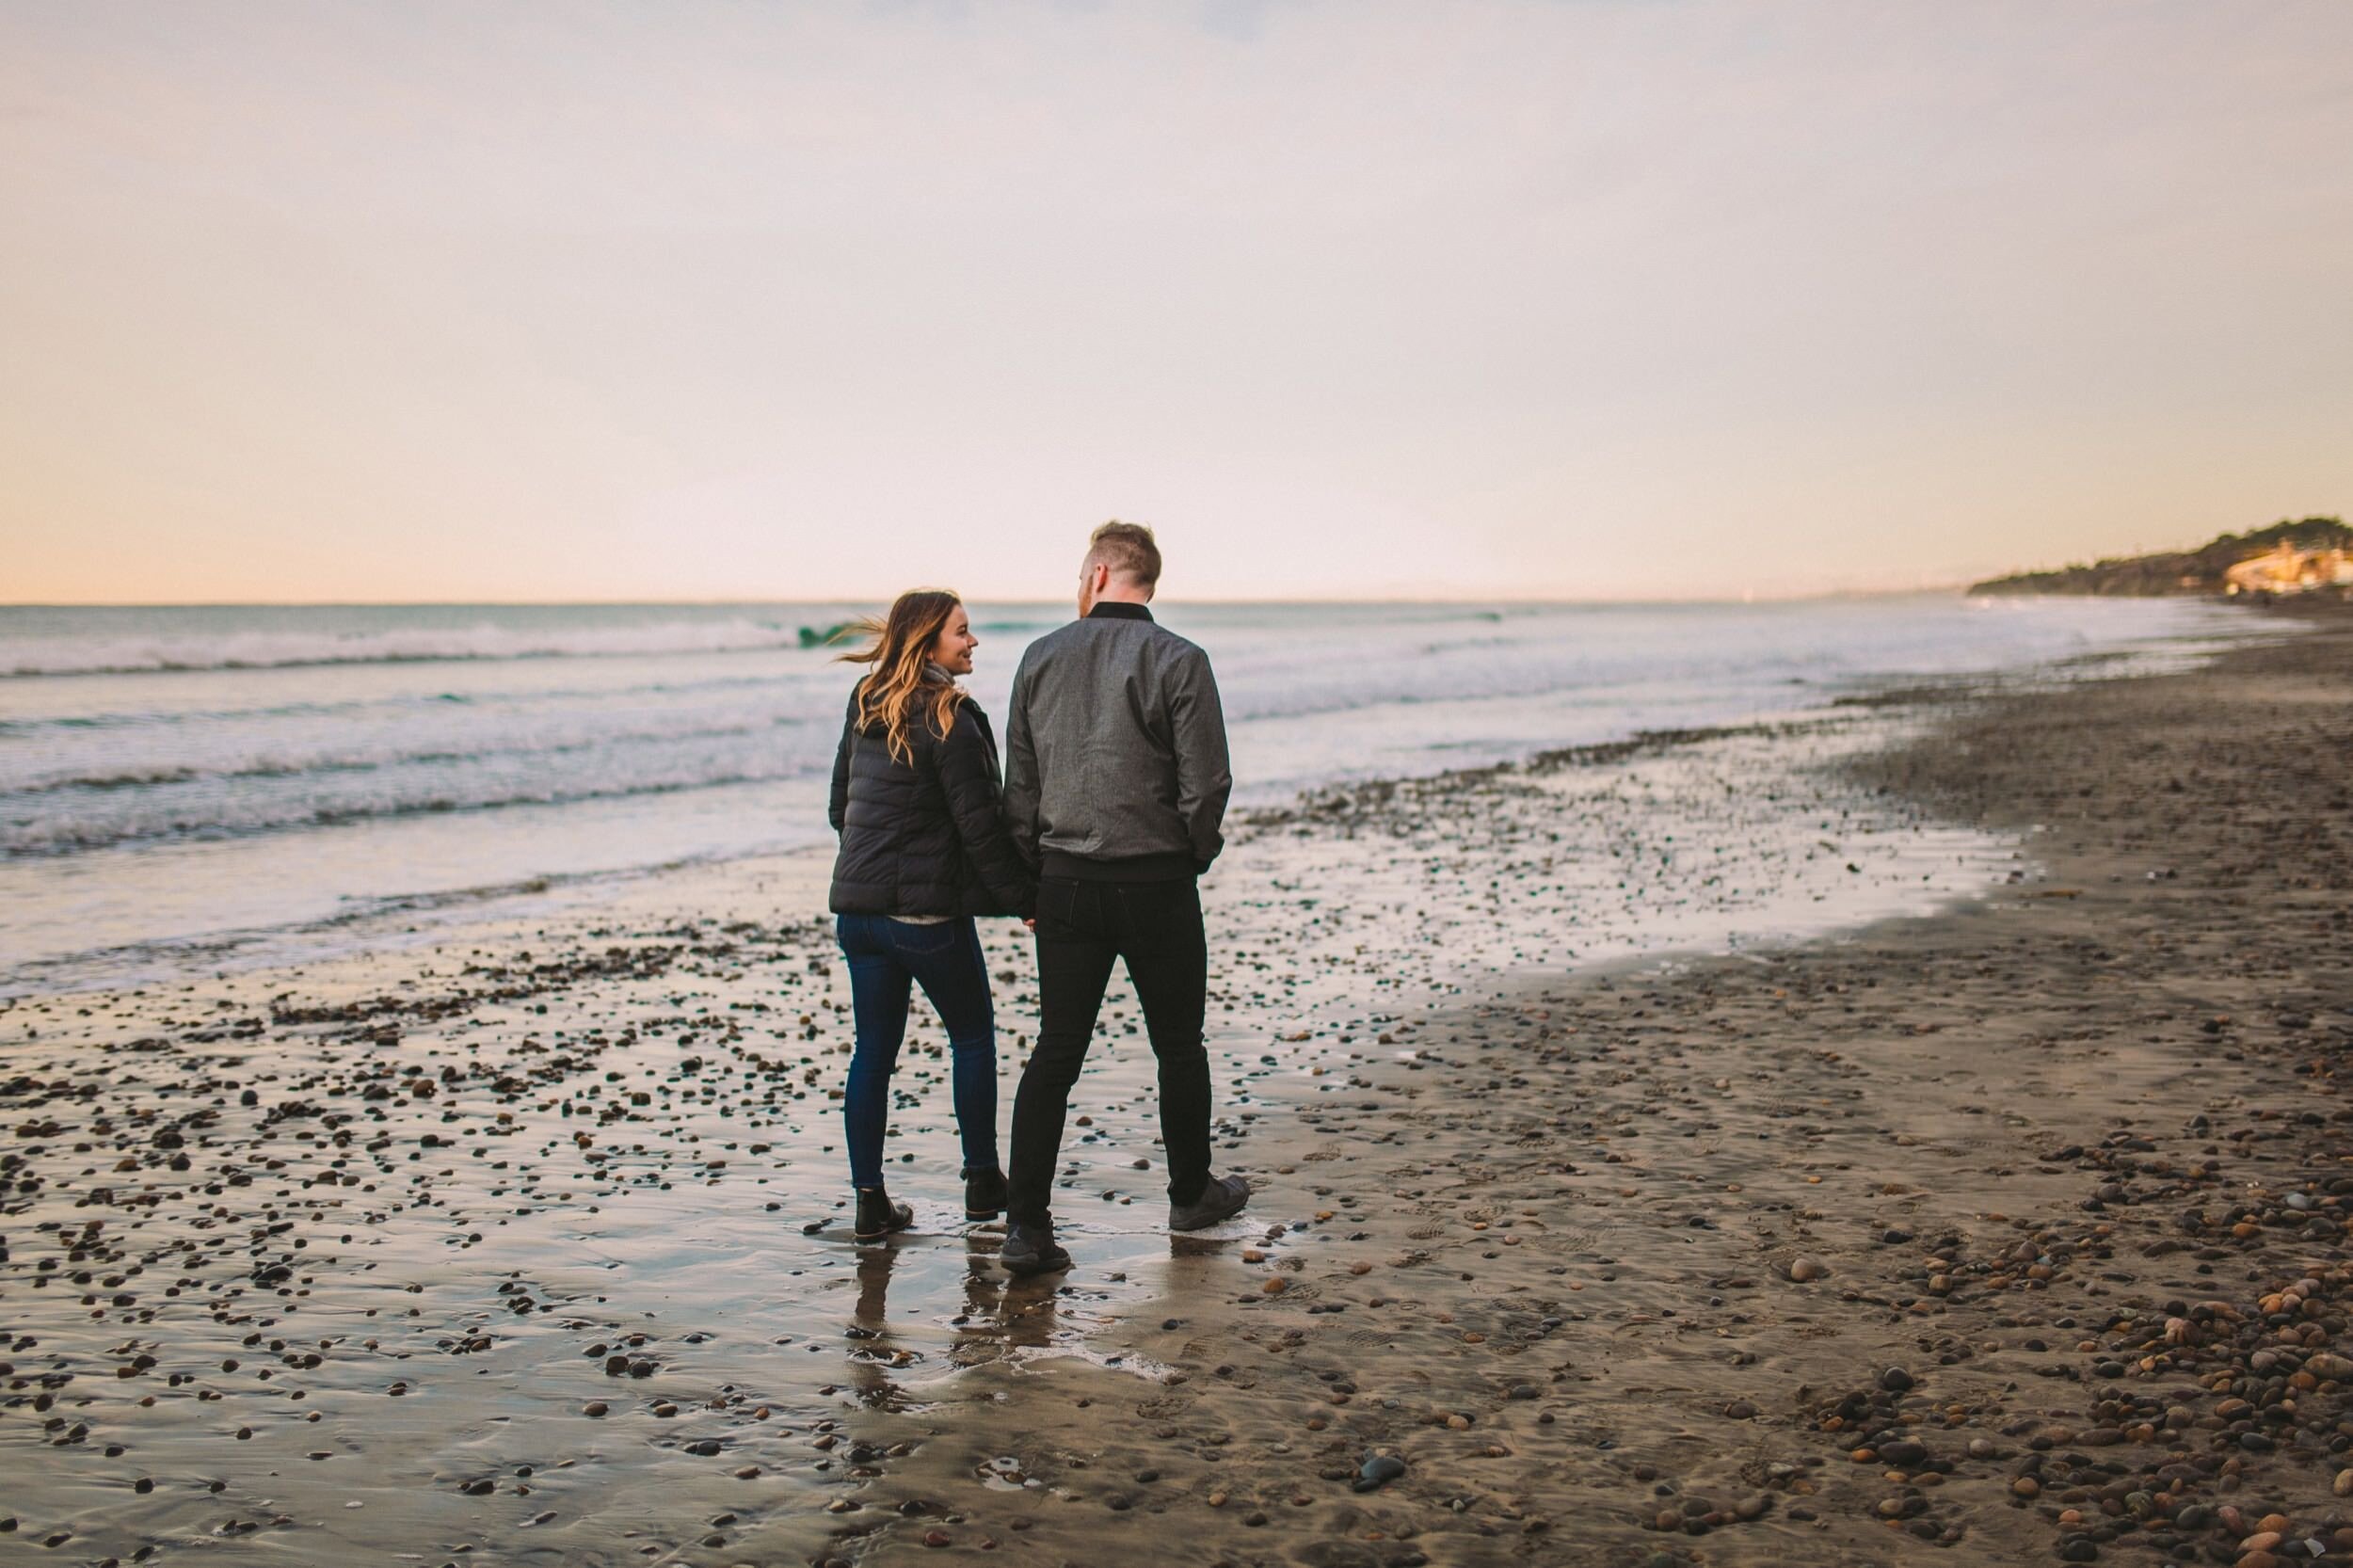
(1244, 600)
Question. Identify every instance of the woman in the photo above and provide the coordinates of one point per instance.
(923, 850)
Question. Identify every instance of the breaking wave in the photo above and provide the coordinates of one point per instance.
(286, 649)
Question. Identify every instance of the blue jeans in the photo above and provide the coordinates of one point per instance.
(885, 956)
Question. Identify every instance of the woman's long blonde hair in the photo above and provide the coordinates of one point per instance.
(902, 681)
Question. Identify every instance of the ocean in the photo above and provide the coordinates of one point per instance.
(184, 789)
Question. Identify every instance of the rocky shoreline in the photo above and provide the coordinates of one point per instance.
(2014, 1232)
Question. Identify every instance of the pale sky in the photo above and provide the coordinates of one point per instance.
(1572, 298)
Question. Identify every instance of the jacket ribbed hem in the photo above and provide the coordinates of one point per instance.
(1133, 867)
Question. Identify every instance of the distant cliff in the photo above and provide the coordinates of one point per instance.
(2180, 571)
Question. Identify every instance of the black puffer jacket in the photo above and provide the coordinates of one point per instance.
(926, 836)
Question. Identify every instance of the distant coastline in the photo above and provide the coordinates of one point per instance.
(2167, 574)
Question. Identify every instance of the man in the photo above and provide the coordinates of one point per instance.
(1115, 783)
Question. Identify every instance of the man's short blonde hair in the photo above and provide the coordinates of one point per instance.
(1129, 549)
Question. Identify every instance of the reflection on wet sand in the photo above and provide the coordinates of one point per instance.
(897, 1366)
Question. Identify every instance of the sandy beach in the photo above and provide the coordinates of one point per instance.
(1970, 1176)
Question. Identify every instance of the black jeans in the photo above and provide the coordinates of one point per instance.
(1082, 927)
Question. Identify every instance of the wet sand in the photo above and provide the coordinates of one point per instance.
(2010, 1224)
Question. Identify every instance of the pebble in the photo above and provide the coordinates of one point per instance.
(1805, 1268)
(1377, 1471)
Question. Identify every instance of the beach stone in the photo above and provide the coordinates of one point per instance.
(1377, 1471)
(1804, 1268)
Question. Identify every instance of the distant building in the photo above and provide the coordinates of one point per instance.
(2289, 570)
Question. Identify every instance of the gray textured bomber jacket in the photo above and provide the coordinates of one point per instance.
(1115, 746)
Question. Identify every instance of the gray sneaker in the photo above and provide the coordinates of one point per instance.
(1031, 1249)
(1221, 1199)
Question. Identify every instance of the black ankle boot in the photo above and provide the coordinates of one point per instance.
(1031, 1250)
(984, 1194)
(877, 1216)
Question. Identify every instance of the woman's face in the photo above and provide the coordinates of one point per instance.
(952, 650)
